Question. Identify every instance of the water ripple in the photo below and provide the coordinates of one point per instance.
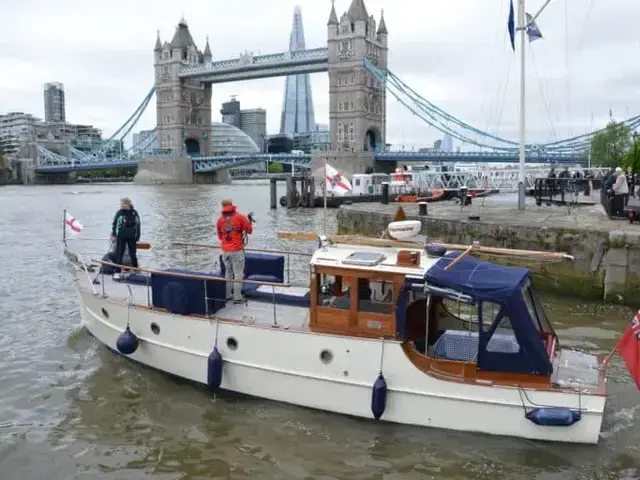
(71, 409)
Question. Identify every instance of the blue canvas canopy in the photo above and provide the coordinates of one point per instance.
(487, 282)
(477, 278)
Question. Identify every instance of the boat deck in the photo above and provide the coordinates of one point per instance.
(253, 311)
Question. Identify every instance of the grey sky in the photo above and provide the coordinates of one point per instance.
(455, 53)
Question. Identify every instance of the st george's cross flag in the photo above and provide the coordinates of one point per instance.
(71, 226)
(629, 348)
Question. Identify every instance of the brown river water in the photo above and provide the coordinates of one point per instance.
(70, 409)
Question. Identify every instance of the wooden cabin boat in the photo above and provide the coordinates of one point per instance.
(384, 330)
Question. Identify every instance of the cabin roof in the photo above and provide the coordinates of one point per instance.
(356, 256)
(477, 278)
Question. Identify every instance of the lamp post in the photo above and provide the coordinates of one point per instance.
(636, 138)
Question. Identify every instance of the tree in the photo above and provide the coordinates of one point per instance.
(609, 147)
(4, 161)
(276, 167)
(632, 158)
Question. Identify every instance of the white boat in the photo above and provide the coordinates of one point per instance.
(385, 330)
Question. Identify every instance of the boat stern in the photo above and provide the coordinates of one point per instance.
(577, 370)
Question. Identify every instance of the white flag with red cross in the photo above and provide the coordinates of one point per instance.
(72, 226)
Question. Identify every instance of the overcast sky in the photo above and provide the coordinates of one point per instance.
(455, 53)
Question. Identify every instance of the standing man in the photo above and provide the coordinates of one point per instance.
(232, 228)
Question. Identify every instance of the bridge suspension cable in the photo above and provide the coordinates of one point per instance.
(444, 122)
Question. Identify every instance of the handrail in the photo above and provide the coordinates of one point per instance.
(205, 245)
(188, 275)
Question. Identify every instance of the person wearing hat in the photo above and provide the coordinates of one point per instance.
(232, 229)
(620, 191)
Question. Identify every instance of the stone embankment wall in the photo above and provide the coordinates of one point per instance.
(606, 266)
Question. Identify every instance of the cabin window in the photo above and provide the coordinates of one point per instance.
(375, 296)
(468, 314)
(333, 291)
(534, 307)
(357, 182)
(503, 334)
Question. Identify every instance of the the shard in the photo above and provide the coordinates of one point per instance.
(297, 109)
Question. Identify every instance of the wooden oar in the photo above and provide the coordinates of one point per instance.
(459, 257)
(350, 240)
(383, 243)
(507, 251)
(143, 246)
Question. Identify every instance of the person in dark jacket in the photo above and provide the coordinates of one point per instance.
(125, 231)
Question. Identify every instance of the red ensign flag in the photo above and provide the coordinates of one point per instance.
(629, 348)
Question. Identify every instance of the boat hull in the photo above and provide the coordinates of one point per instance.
(285, 365)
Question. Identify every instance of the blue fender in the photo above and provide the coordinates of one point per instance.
(554, 416)
(214, 369)
(379, 397)
(127, 342)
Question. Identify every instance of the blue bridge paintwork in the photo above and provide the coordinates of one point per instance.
(211, 164)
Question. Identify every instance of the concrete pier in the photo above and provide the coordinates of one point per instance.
(607, 252)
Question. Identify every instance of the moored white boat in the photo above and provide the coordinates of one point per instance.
(379, 332)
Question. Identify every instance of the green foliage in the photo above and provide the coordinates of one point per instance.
(276, 167)
(4, 161)
(609, 147)
(632, 158)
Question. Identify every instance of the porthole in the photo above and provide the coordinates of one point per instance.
(326, 356)
(105, 313)
(155, 328)
(232, 343)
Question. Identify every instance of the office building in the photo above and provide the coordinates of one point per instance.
(254, 123)
(297, 110)
(15, 128)
(54, 109)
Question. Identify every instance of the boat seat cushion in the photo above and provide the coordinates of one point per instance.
(263, 264)
(295, 296)
(135, 279)
(462, 346)
(186, 296)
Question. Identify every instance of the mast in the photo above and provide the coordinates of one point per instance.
(523, 30)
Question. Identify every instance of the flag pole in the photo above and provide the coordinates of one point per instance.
(521, 176)
(64, 227)
(607, 359)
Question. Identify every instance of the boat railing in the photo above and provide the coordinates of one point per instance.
(287, 253)
(188, 276)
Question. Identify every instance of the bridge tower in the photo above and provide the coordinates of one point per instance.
(357, 101)
(183, 107)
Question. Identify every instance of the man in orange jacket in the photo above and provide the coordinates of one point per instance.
(232, 227)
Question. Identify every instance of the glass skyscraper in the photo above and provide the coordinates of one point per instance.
(297, 110)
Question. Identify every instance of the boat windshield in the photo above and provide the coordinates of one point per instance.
(534, 306)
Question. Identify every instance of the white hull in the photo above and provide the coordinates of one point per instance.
(285, 365)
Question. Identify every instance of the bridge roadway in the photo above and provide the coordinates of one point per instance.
(211, 164)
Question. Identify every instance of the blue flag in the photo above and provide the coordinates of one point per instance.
(511, 26)
(533, 32)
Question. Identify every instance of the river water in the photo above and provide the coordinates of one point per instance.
(69, 409)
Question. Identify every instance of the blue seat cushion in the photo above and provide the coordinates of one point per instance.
(186, 296)
(135, 279)
(295, 296)
(462, 346)
(263, 264)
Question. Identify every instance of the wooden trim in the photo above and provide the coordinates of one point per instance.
(467, 372)
(262, 250)
(188, 276)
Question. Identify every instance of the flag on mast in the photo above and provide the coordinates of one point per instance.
(629, 348)
(533, 32)
(72, 227)
(511, 26)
